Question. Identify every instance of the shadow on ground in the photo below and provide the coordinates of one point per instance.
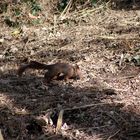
(125, 4)
(90, 112)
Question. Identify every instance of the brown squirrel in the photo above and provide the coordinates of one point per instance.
(55, 71)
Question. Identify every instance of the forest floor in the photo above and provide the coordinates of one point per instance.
(103, 105)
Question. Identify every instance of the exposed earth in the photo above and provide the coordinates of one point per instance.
(103, 105)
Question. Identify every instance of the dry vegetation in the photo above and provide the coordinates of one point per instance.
(102, 38)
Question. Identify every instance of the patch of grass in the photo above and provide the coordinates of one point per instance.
(14, 15)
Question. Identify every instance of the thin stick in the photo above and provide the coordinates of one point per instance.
(113, 135)
(55, 24)
(59, 121)
(92, 127)
(121, 60)
(1, 136)
(116, 38)
(50, 137)
(66, 8)
(85, 106)
(118, 78)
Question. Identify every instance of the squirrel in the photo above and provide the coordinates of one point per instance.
(54, 71)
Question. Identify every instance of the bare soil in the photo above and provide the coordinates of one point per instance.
(103, 105)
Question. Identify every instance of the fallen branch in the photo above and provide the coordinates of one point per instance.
(85, 106)
(1, 136)
(113, 135)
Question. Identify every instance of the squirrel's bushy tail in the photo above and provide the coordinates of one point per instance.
(31, 65)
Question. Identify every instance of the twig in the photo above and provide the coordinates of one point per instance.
(115, 38)
(45, 137)
(113, 135)
(55, 24)
(121, 60)
(126, 122)
(1, 136)
(112, 118)
(85, 106)
(118, 78)
(86, 10)
(92, 127)
(59, 121)
(89, 11)
(66, 9)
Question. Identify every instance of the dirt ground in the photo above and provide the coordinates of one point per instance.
(103, 105)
